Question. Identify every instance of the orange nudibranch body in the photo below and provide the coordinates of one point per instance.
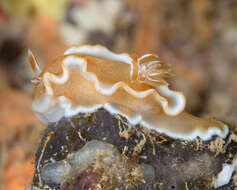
(87, 78)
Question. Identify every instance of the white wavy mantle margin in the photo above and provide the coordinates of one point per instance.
(101, 51)
(51, 110)
(63, 107)
(175, 108)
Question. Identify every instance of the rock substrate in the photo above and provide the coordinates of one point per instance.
(102, 151)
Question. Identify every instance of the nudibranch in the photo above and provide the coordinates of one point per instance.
(87, 78)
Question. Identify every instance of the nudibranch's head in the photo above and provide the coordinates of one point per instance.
(87, 78)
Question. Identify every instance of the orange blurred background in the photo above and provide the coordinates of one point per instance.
(198, 38)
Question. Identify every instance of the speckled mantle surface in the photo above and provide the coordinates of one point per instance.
(174, 164)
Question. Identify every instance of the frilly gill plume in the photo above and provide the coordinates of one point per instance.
(150, 70)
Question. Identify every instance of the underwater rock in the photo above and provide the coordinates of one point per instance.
(102, 151)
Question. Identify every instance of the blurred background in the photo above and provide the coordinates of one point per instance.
(198, 38)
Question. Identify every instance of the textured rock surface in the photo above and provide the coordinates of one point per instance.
(127, 158)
